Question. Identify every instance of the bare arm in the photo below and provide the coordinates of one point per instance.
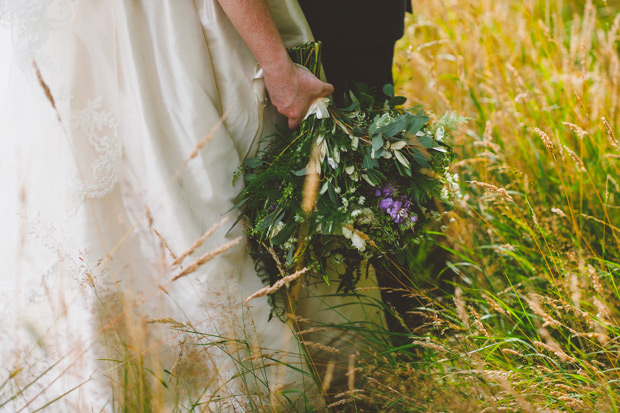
(291, 88)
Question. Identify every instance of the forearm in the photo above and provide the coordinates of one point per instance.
(255, 24)
(291, 88)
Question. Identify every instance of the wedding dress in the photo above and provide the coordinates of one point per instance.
(122, 125)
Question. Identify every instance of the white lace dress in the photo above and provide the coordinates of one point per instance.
(115, 159)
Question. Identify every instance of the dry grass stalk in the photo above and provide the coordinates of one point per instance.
(578, 162)
(575, 289)
(322, 347)
(279, 284)
(512, 352)
(430, 345)
(559, 212)
(596, 282)
(46, 89)
(524, 404)
(329, 375)
(610, 133)
(493, 188)
(199, 242)
(174, 323)
(460, 306)
(207, 257)
(311, 185)
(494, 305)
(351, 373)
(534, 304)
(576, 129)
(165, 244)
(545, 138)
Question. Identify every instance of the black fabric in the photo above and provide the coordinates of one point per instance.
(370, 65)
(355, 22)
(358, 40)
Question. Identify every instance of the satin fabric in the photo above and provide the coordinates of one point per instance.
(105, 179)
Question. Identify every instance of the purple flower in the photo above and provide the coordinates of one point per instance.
(386, 203)
(414, 218)
(394, 210)
(388, 190)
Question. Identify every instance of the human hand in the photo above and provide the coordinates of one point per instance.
(293, 90)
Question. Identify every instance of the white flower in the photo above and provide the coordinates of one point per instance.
(349, 169)
(439, 134)
(362, 200)
(356, 213)
(358, 242)
(345, 203)
(337, 190)
(332, 163)
(354, 142)
(347, 233)
(336, 154)
(277, 229)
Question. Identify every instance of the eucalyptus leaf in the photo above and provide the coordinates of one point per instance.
(388, 90)
(417, 122)
(426, 142)
(377, 142)
(394, 127)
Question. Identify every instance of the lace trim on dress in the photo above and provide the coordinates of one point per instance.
(100, 127)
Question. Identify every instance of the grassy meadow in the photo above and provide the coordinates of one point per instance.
(514, 304)
(521, 313)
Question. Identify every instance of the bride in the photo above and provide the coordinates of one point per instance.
(122, 125)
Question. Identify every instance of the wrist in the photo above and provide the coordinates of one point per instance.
(281, 68)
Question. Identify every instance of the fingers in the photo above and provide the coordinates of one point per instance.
(321, 89)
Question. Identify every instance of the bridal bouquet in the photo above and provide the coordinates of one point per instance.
(380, 175)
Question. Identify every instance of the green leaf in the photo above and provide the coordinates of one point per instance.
(359, 132)
(415, 123)
(284, 235)
(377, 142)
(247, 178)
(301, 172)
(395, 126)
(421, 158)
(332, 194)
(388, 90)
(253, 162)
(440, 149)
(397, 101)
(426, 142)
(375, 176)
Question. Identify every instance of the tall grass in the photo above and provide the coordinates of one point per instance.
(525, 316)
